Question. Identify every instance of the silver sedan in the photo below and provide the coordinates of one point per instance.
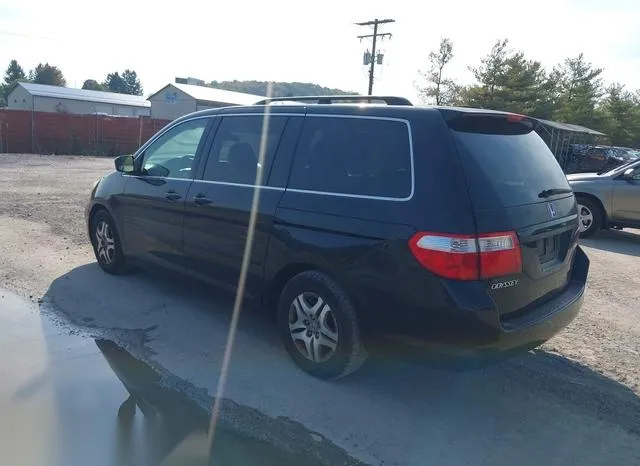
(608, 200)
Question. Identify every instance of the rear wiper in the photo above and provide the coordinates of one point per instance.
(554, 191)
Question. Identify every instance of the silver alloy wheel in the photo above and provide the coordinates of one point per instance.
(313, 327)
(105, 243)
(585, 216)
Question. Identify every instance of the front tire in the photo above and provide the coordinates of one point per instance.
(319, 326)
(106, 243)
(589, 216)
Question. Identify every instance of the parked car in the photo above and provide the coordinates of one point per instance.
(452, 226)
(584, 158)
(610, 199)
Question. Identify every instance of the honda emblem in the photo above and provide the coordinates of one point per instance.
(552, 210)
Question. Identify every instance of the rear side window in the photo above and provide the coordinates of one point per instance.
(356, 156)
(506, 170)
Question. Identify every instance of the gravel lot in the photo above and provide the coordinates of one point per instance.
(577, 397)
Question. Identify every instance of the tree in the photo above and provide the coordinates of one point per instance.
(524, 87)
(125, 83)
(579, 88)
(549, 90)
(92, 85)
(620, 116)
(47, 74)
(508, 81)
(571, 92)
(442, 90)
(115, 83)
(490, 75)
(132, 83)
(12, 75)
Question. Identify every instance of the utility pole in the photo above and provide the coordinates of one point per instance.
(375, 23)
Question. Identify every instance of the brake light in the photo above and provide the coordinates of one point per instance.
(515, 118)
(468, 257)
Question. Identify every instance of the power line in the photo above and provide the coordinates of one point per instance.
(372, 59)
(28, 36)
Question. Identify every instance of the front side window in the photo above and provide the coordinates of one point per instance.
(356, 156)
(172, 155)
(235, 150)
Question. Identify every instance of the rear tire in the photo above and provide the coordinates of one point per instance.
(106, 243)
(319, 326)
(590, 217)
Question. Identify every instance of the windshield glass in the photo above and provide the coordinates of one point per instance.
(621, 168)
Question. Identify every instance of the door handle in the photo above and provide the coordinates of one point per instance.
(173, 196)
(201, 199)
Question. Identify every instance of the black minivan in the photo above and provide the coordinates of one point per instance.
(452, 226)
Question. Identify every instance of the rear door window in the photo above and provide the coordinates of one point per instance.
(353, 156)
(233, 157)
(506, 170)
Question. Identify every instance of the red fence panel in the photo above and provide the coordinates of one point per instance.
(15, 131)
(23, 131)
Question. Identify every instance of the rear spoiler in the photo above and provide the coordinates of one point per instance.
(488, 121)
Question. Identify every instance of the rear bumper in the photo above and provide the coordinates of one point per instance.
(479, 329)
(537, 326)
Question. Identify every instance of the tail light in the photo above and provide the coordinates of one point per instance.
(468, 257)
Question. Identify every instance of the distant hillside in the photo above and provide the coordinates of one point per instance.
(280, 89)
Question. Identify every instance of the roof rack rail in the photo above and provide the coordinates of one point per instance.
(330, 99)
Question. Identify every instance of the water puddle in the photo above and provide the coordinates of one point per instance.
(70, 400)
(173, 430)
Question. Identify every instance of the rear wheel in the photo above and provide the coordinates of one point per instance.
(106, 243)
(319, 326)
(589, 216)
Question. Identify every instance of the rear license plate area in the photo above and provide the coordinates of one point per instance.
(548, 249)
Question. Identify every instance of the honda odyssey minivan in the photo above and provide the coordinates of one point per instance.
(453, 226)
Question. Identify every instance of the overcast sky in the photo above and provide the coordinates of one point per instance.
(309, 41)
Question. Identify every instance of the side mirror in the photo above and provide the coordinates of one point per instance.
(629, 174)
(124, 164)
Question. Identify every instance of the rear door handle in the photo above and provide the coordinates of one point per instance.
(173, 196)
(201, 199)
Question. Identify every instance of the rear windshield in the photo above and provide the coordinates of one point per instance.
(506, 170)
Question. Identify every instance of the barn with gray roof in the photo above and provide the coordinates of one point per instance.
(44, 98)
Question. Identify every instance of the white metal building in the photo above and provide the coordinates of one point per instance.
(44, 98)
(177, 99)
